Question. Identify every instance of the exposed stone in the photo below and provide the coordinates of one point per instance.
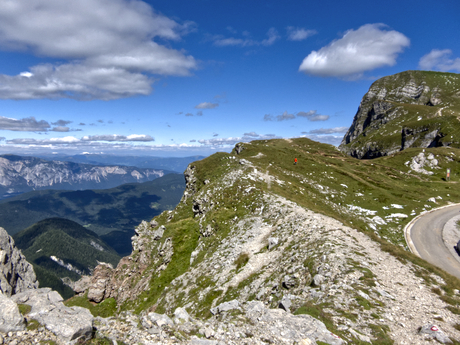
(387, 102)
(16, 274)
(226, 306)
(11, 319)
(434, 332)
(81, 285)
(71, 325)
(272, 241)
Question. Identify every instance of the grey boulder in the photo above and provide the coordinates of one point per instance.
(70, 324)
(11, 319)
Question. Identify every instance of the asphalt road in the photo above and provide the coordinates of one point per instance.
(426, 235)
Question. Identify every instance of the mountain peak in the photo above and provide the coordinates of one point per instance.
(408, 109)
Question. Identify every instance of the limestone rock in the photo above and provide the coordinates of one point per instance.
(99, 281)
(226, 306)
(81, 285)
(434, 332)
(71, 325)
(16, 274)
(388, 104)
(272, 241)
(11, 319)
(181, 315)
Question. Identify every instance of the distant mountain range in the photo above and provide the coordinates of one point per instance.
(60, 248)
(113, 212)
(177, 164)
(23, 174)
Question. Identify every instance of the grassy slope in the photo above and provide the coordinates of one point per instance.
(102, 211)
(325, 181)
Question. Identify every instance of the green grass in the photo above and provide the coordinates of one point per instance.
(106, 308)
(241, 260)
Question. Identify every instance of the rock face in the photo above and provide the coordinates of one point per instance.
(16, 274)
(24, 174)
(70, 325)
(11, 319)
(408, 109)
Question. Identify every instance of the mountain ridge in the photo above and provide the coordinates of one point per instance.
(252, 226)
(22, 174)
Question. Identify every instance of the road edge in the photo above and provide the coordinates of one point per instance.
(409, 225)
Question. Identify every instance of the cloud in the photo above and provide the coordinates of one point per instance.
(189, 114)
(215, 135)
(251, 134)
(61, 123)
(106, 48)
(272, 37)
(439, 60)
(43, 142)
(358, 51)
(268, 117)
(312, 115)
(326, 139)
(61, 129)
(327, 130)
(28, 124)
(282, 117)
(285, 116)
(117, 137)
(82, 124)
(199, 113)
(299, 34)
(193, 141)
(232, 140)
(206, 105)
(221, 41)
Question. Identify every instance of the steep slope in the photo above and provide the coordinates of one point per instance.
(102, 211)
(16, 274)
(60, 248)
(24, 174)
(323, 237)
(408, 109)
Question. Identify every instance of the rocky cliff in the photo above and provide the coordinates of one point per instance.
(408, 109)
(24, 174)
(16, 274)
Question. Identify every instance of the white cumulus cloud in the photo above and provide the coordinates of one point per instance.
(367, 48)
(440, 60)
(108, 48)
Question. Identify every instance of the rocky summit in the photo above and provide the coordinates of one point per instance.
(408, 109)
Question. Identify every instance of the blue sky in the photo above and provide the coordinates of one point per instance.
(179, 78)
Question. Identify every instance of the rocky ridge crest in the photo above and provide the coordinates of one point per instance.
(408, 109)
(272, 251)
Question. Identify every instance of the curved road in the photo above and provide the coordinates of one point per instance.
(425, 233)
